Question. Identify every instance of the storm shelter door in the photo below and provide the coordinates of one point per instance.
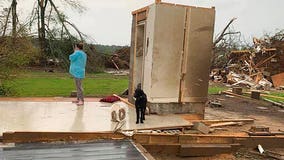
(139, 56)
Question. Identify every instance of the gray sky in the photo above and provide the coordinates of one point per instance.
(109, 21)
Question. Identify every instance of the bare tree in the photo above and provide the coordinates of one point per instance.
(223, 43)
(12, 10)
(43, 6)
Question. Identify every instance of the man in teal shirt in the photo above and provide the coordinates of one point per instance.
(78, 61)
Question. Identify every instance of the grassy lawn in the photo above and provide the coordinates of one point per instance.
(43, 84)
(277, 94)
(216, 89)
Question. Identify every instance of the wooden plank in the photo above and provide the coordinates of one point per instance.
(267, 95)
(164, 128)
(228, 120)
(271, 96)
(185, 6)
(236, 95)
(144, 152)
(140, 10)
(141, 16)
(124, 100)
(25, 137)
(224, 124)
(278, 80)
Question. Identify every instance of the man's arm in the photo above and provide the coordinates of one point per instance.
(73, 56)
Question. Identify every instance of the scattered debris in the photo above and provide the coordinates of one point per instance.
(255, 68)
(255, 95)
(262, 108)
(201, 127)
(119, 59)
(237, 90)
(215, 103)
(278, 80)
(259, 131)
(260, 149)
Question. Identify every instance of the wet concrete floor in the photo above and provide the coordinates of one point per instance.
(58, 116)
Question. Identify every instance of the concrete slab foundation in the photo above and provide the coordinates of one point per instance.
(57, 116)
(177, 108)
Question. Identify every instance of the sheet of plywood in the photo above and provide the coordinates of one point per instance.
(200, 40)
(278, 80)
(167, 49)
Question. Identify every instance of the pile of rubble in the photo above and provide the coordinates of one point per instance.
(119, 59)
(261, 67)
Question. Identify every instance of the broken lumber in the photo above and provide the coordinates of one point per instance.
(182, 127)
(115, 64)
(210, 121)
(271, 96)
(144, 151)
(267, 95)
(236, 95)
(225, 124)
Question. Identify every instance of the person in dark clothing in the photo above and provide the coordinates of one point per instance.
(140, 103)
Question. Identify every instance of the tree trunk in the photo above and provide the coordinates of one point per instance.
(41, 35)
(14, 18)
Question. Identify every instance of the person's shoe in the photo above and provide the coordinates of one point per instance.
(137, 122)
(80, 103)
(141, 122)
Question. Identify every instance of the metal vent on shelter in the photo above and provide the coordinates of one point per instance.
(101, 150)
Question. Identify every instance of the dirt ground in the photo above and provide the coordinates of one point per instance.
(242, 154)
(264, 113)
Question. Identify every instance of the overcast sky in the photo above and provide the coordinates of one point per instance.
(109, 21)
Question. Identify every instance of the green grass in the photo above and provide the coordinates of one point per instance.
(216, 89)
(278, 94)
(43, 84)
